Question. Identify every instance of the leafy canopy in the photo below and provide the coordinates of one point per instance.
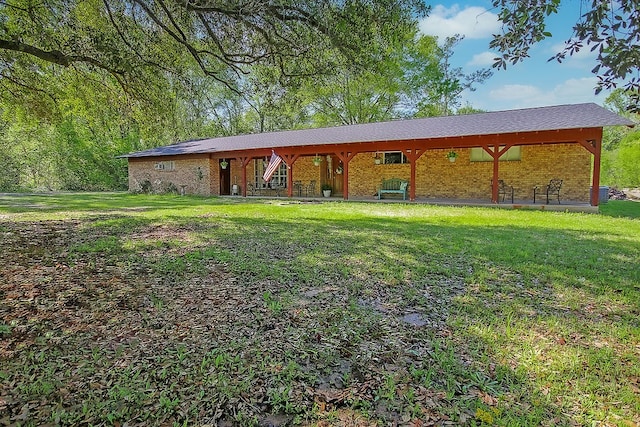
(610, 28)
(219, 37)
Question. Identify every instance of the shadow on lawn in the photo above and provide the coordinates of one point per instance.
(272, 316)
(105, 201)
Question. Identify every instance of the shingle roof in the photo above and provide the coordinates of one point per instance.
(574, 116)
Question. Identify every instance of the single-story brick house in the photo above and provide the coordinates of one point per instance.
(524, 148)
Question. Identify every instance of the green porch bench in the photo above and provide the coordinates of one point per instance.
(393, 185)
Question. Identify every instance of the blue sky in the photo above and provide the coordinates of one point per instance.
(532, 83)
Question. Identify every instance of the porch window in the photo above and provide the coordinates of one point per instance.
(278, 179)
(394, 157)
(165, 166)
(478, 154)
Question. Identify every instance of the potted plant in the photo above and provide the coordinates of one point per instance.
(317, 160)
(326, 190)
(451, 155)
(377, 159)
(224, 164)
(339, 170)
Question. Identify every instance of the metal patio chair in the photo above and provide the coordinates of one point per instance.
(551, 189)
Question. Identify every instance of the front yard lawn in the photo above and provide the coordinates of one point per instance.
(120, 309)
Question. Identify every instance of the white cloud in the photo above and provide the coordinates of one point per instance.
(571, 91)
(577, 90)
(472, 22)
(515, 92)
(484, 59)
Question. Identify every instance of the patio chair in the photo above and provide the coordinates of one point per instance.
(503, 189)
(311, 188)
(551, 189)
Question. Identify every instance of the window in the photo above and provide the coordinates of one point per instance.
(278, 179)
(165, 166)
(478, 154)
(394, 157)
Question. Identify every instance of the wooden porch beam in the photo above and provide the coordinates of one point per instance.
(467, 141)
(590, 145)
(244, 161)
(596, 150)
(496, 152)
(413, 154)
(289, 160)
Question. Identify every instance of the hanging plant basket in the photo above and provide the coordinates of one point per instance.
(452, 156)
(224, 164)
(317, 160)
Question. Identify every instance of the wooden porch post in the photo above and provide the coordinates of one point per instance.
(289, 160)
(345, 180)
(496, 153)
(413, 154)
(345, 157)
(494, 180)
(244, 161)
(595, 147)
(595, 185)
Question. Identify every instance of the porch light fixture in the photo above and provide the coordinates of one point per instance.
(224, 164)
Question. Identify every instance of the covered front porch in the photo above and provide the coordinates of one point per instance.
(481, 164)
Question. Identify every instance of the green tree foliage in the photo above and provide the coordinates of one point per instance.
(415, 79)
(621, 155)
(272, 100)
(435, 87)
(621, 167)
(611, 28)
(349, 98)
(221, 38)
(91, 79)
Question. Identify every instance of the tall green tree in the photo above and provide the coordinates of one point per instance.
(414, 79)
(354, 97)
(621, 155)
(434, 86)
(273, 101)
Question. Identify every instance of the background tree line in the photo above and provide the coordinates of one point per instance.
(83, 81)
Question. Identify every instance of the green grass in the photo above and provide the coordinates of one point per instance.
(621, 208)
(166, 310)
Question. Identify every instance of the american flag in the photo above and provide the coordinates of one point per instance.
(273, 166)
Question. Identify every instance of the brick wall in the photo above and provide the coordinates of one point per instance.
(191, 171)
(436, 177)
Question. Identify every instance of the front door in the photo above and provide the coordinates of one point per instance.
(337, 175)
(225, 178)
